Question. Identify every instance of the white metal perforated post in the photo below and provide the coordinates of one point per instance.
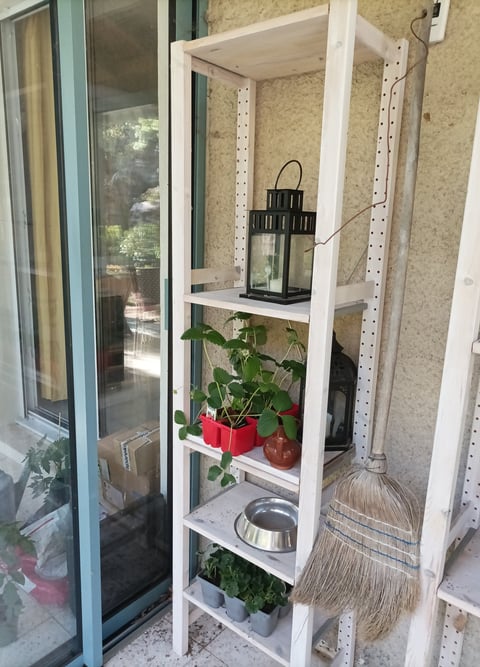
(379, 240)
(244, 173)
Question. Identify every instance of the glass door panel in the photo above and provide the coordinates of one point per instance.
(39, 613)
(122, 67)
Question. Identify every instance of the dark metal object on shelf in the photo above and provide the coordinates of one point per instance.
(280, 247)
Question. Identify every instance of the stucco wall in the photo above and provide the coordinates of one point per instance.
(290, 111)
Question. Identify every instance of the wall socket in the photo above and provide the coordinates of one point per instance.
(439, 20)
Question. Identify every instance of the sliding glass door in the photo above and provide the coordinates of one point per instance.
(39, 601)
(83, 328)
(122, 65)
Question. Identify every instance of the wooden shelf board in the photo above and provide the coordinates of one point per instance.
(461, 583)
(349, 298)
(277, 646)
(283, 46)
(255, 463)
(216, 518)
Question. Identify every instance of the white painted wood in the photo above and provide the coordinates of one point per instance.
(218, 73)
(181, 211)
(476, 347)
(461, 583)
(460, 523)
(281, 47)
(206, 276)
(352, 297)
(448, 437)
(374, 40)
(255, 463)
(215, 520)
(336, 106)
(277, 646)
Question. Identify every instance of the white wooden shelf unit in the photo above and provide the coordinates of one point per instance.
(330, 38)
(456, 581)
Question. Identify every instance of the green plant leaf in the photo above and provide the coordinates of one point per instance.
(215, 337)
(267, 423)
(180, 418)
(213, 473)
(226, 460)
(194, 429)
(182, 433)
(236, 390)
(195, 333)
(251, 368)
(290, 425)
(227, 479)
(221, 376)
(236, 344)
(198, 395)
(238, 316)
(282, 401)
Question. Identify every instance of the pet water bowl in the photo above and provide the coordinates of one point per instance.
(269, 524)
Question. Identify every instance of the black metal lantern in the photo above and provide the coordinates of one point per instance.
(280, 247)
(341, 399)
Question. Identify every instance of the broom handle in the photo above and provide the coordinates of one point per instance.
(377, 460)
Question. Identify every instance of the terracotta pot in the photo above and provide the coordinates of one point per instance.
(282, 452)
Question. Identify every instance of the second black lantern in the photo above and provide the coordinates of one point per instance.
(280, 247)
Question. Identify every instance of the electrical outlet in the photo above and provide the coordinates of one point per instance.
(439, 20)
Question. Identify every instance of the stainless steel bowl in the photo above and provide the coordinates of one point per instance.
(269, 524)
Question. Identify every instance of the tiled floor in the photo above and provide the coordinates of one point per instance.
(211, 645)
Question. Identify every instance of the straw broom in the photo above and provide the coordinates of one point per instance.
(366, 559)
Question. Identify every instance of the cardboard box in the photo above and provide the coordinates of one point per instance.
(136, 449)
(140, 448)
(122, 486)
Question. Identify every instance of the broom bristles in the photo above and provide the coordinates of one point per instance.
(366, 559)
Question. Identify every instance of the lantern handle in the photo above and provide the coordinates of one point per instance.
(286, 165)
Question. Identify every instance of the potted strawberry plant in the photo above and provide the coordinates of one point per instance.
(248, 396)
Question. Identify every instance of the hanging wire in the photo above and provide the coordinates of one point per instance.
(387, 170)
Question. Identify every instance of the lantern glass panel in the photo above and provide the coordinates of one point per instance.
(301, 262)
(267, 262)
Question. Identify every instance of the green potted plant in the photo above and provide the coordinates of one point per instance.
(251, 391)
(12, 545)
(268, 595)
(209, 575)
(49, 465)
(236, 578)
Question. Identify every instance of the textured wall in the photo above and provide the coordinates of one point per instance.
(288, 114)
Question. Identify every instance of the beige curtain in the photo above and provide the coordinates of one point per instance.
(42, 180)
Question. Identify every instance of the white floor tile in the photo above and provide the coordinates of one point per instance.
(33, 645)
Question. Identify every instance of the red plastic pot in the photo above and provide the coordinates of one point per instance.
(237, 440)
(210, 431)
